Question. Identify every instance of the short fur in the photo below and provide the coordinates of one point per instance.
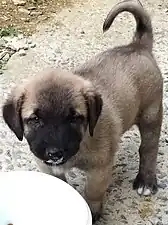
(91, 108)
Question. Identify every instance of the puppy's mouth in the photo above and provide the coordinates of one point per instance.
(57, 162)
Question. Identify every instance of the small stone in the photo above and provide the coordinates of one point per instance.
(22, 52)
(1, 72)
(36, 13)
(10, 167)
(2, 43)
(6, 57)
(32, 8)
(163, 198)
(19, 2)
(29, 41)
(12, 47)
(166, 87)
(17, 44)
(123, 217)
(25, 11)
(27, 20)
(52, 59)
(155, 221)
(82, 32)
(162, 185)
(166, 211)
(33, 45)
(8, 153)
(43, 18)
(2, 54)
(161, 153)
(57, 51)
(162, 175)
(20, 37)
(159, 223)
(26, 47)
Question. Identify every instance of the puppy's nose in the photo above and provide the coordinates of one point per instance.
(54, 153)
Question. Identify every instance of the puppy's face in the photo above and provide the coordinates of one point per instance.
(53, 113)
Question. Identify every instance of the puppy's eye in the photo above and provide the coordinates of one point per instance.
(76, 118)
(32, 119)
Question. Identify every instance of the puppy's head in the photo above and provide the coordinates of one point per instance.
(53, 112)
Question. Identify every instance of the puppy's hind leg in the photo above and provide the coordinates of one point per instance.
(149, 125)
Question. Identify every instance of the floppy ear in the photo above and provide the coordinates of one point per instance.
(12, 114)
(94, 104)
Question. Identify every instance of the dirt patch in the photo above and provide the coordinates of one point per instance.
(26, 16)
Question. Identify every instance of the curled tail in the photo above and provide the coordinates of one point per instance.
(144, 32)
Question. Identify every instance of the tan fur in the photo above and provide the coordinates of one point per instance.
(131, 86)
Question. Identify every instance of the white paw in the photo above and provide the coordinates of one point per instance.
(144, 191)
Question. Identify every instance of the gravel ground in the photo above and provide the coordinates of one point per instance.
(73, 36)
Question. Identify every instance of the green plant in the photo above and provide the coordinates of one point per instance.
(8, 31)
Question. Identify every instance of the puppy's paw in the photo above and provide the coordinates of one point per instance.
(145, 186)
(96, 209)
(95, 217)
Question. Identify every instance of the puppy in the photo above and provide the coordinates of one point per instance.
(76, 119)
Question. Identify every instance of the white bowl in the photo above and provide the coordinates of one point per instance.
(34, 198)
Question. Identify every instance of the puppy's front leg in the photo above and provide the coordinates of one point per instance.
(96, 186)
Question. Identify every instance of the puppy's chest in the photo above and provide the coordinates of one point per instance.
(57, 170)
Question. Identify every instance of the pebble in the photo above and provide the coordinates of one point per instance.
(20, 36)
(25, 11)
(29, 41)
(25, 19)
(163, 198)
(161, 153)
(26, 47)
(6, 57)
(2, 42)
(162, 175)
(32, 8)
(36, 13)
(19, 2)
(2, 54)
(155, 221)
(10, 167)
(16, 45)
(162, 185)
(32, 45)
(166, 87)
(22, 52)
(166, 211)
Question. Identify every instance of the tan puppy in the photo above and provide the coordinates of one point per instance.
(77, 119)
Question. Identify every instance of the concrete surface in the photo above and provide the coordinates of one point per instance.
(69, 39)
